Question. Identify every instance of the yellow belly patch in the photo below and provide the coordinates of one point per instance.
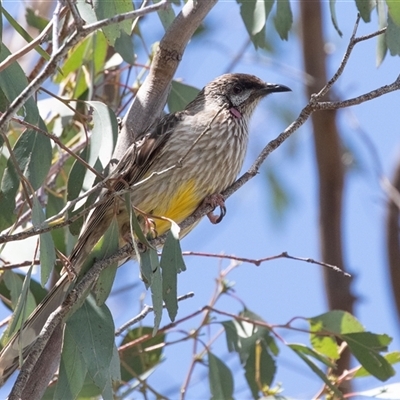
(183, 203)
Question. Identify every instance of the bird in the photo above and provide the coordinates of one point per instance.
(181, 161)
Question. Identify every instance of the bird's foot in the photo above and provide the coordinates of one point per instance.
(216, 200)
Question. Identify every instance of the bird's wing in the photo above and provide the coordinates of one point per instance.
(133, 166)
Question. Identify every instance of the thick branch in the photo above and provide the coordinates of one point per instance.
(393, 240)
(152, 95)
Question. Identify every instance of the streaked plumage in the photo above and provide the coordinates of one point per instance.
(210, 137)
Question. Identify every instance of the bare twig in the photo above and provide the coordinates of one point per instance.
(259, 261)
(26, 49)
(144, 312)
(35, 84)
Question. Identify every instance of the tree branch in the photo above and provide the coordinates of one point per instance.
(150, 100)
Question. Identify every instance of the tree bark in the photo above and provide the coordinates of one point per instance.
(152, 95)
(328, 152)
(393, 240)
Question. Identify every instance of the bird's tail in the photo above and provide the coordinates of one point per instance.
(21, 341)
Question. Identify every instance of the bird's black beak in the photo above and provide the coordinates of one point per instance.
(275, 88)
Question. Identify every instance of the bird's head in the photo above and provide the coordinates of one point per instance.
(240, 93)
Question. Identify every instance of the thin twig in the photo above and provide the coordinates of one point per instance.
(26, 49)
(37, 82)
(144, 312)
(259, 261)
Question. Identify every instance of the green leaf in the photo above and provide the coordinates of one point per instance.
(180, 96)
(74, 186)
(260, 367)
(335, 322)
(393, 37)
(3, 164)
(54, 205)
(76, 176)
(34, 20)
(283, 19)
(220, 378)
(109, 245)
(253, 344)
(124, 47)
(166, 16)
(326, 345)
(72, 370)
(8, 191)
(365, 346)
(33, 153)
(310, 352)
(171, 263)
(108, 9)
(22, 300)
(12, 82)
(35, 290)
(316, 370)
(157, 298)
(394, 10)
(149, 263)
(332, 7)
(364, 8)
(24, 34)
(47, 251)
(1, 23)
(91, 53)
(138, 360)
(134, 224)
(92, 329)
(391, 358)
(381, 47)
(104, 133)
(255, 14)
(86, 11)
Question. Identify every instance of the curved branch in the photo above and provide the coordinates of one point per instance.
(152, 95)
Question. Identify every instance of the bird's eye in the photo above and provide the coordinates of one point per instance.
(237, 89)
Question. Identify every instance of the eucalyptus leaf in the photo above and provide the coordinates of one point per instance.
(332, 7)
(394, 11)
(366, 346)
(220, 378)
(391, 358)
(171, 263)
(335, 322)
(73, 369)
(180, 96)
(316, 370)
(157, 298)
(23, 306)
(47, 250)
(364, 8)
(283, 19)
(92, 329)
(109, 246)
(108, 9)
(139, 359)
(393, 37)
(381, 47)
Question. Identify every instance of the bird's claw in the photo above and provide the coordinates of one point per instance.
(216, 200)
